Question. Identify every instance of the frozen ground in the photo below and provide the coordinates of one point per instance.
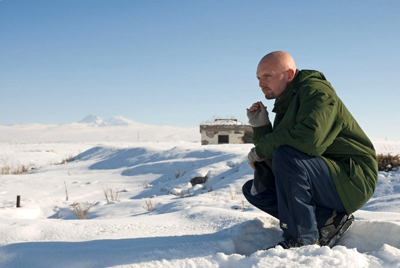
(210, 226)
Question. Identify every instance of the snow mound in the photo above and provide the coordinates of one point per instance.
(256, 234)
(371, 235)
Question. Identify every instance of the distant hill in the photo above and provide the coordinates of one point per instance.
(93, 128)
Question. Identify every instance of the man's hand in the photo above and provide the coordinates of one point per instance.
(256, 106)
(258, 115)
(252, 157)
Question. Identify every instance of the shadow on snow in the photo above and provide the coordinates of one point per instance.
(244, 238)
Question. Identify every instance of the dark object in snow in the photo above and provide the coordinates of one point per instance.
(18, 201)
(198, 180)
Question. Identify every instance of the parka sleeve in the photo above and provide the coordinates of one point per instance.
(259, 132)
(316, 125)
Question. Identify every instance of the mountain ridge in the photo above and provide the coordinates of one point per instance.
(113, 121)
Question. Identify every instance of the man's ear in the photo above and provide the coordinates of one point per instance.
(291, 74)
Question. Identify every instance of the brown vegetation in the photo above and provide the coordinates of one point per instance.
(387, 162)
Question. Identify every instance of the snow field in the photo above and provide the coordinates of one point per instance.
(191, 226)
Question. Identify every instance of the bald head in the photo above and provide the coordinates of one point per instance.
(279, 60)
(274, 72)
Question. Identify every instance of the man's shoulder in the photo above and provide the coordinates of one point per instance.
(313, 82)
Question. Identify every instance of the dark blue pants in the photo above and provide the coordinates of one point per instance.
(302, 194)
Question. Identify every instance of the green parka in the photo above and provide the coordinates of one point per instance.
(311, 118)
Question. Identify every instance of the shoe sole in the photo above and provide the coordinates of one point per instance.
(342, 231)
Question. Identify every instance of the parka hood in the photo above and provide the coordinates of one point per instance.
(305, 75)
(301, 76)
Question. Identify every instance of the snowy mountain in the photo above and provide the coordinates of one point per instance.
(92, 119)
(113, 121)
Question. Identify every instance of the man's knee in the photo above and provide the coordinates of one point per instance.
(246, 188)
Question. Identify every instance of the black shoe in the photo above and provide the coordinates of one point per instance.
(334, 228)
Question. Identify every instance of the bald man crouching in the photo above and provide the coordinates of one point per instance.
(315, 166)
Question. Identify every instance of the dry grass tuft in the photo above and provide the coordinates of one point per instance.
(80, 210)
(66, 160)
(179, 173)
(149, 204)
(388, 162)
(9, 170)
(234, 192)
(112, 195)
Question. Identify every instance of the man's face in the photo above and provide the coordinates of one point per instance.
(272, 79)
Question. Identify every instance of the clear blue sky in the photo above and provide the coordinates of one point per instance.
(182, 62)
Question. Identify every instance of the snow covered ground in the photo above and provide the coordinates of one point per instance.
(191, 226)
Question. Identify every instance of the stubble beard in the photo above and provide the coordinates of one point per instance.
(269, 96)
